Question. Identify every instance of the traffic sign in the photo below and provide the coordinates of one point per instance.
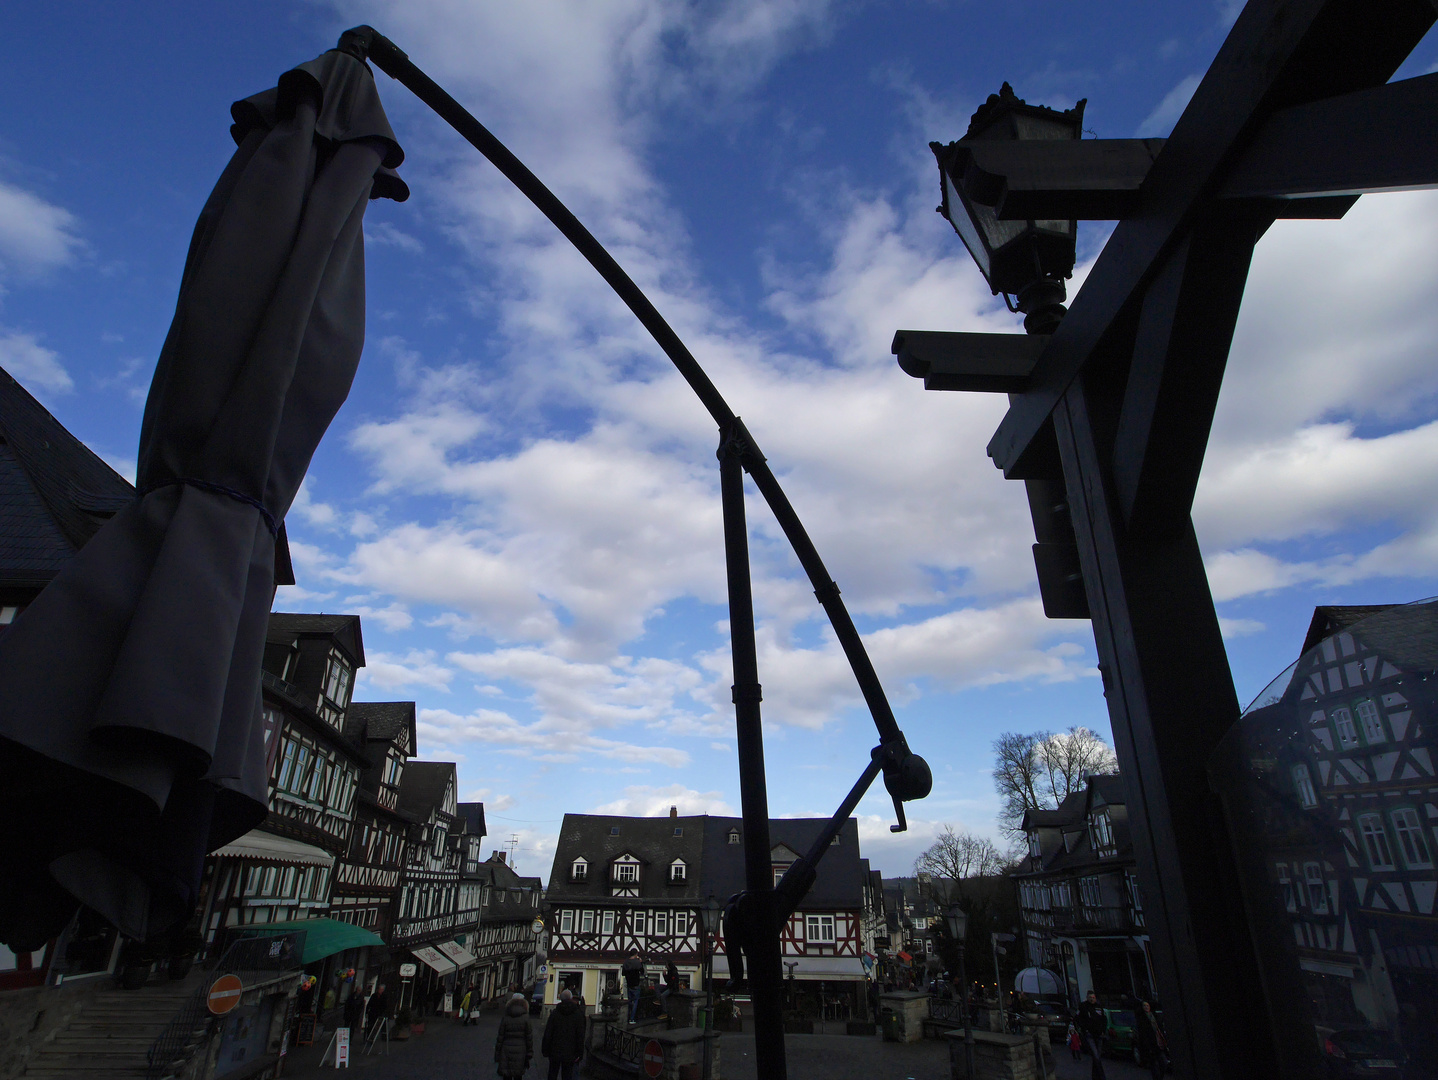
(224, 994)
(653, 1058)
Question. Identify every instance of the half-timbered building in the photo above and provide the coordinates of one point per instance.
(1079, 900)
(283, 868)
(823, 941)
(510, 925)
(620, 883)
(1344, 745)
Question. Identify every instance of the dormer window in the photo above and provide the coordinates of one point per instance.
(677, 872)
(1034, 848)
(580, 870)
(1101, 833)
(337, 679)
(733, 836)
(626, 872)
(614, 830)
(679, 830)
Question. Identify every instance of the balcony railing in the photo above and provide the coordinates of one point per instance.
(1086, 917)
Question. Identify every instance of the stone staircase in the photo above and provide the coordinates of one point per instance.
(110, 1037)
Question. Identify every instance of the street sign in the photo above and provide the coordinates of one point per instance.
(1004, 937)
(224, 994)
(544, 969)
(406, 971)
(653, 1058)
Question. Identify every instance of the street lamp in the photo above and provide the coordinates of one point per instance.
(958, 920)
(1028, 259)
(709, 917)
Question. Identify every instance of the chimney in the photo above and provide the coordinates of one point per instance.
(497, 856)
(674, 811)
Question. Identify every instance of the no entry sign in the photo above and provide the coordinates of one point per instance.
(224, 994)
(653, 1058)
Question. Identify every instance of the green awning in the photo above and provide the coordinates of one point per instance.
(323, 937)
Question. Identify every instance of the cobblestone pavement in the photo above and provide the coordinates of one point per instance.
(447, 1051)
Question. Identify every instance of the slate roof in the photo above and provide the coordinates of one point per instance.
(285, 626)
(472, 814)
(840, 882)
(652, 840)
(379, 720)
(421, 787)
(1403, 634)
(55, 492)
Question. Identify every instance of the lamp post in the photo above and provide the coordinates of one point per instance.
(958, 920)
(1026, 259)
(709, 916)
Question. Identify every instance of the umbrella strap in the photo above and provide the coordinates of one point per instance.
(220, 489)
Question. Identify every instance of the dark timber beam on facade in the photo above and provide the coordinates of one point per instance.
(1280, 53)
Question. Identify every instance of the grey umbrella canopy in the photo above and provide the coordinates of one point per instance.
(130, 736)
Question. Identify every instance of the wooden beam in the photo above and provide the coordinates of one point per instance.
(1381, 139)
(1089, 179)
(1185, 327)
(1279, 53)
(950, 360)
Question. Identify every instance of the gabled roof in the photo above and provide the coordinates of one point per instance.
(1403, 634)
(380, 721)
(345, 629)
(839, 883)
(472, 814)
(55, 492)
(651, 840)
(422, 786)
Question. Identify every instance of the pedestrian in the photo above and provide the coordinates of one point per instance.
(1075, 1043)
(563, 1042)
(464, 1007)
(514, 1045)
(1149, 1037)
(375, 1011)
(671, 981)
(1093, 1027)
(354, 1010)
(633, 980)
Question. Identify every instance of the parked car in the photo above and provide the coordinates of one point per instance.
(1350, 1053)
(1051, 1011)
(1120, 1041)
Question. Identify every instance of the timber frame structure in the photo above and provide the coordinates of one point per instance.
(1109, 420)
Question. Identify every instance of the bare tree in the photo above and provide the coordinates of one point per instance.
(1039, 771)
(955, 857)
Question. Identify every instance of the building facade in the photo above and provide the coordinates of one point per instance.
(511, 925)
(1079, 899)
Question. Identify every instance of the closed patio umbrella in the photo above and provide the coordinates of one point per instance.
(130, 742)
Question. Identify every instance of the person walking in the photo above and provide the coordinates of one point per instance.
(354, 1011)
(633, 981)
(1093, 1026)
(563, 1042)
(464, 1007)
(1149, 1037)
(671, 982)
(514, 1045)
(1075, 1043)
(377, 1009)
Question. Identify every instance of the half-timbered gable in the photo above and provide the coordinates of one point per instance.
(506, 942)
(429, 884)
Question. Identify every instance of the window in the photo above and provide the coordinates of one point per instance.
(1372, 726)
(1317, 891)
(287, 765)
(681, 923)
(1411, 840)
(661, 923)
(1101, 832)
(7, 615)
(580, 870)
(1375, 839)
(679, 830)
(1343, 724)
(608, 922)
(626, 871)
(337, 680)
(1303, 785)
(819, 929)
(566, 921)
(1135, 898)
(1034, 849)
(1285, 885)
(586, 921)
(676, 871)
(1089, 891)
(733, 836)
(614, 830)
(779, 872)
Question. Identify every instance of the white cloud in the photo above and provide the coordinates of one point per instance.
(35, 236)
(418, 667)
(1165, 114)
(32, 364)
(385, 234)
(646, 801)
(445, 731)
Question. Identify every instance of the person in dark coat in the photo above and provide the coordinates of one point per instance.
(633, 982)
(354, 1011)
(378, 1008)
(1093, 1028)
(1148, 1036)
(563, 1042)
(514, 1045)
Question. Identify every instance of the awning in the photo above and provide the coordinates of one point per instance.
(456, 953)
(434, 959)
(256, 844)
(323, 937)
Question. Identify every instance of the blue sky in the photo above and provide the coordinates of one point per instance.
(521, 497)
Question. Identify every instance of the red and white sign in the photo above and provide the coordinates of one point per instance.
(653, 1058)
(224, 994)
(342, 1048)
